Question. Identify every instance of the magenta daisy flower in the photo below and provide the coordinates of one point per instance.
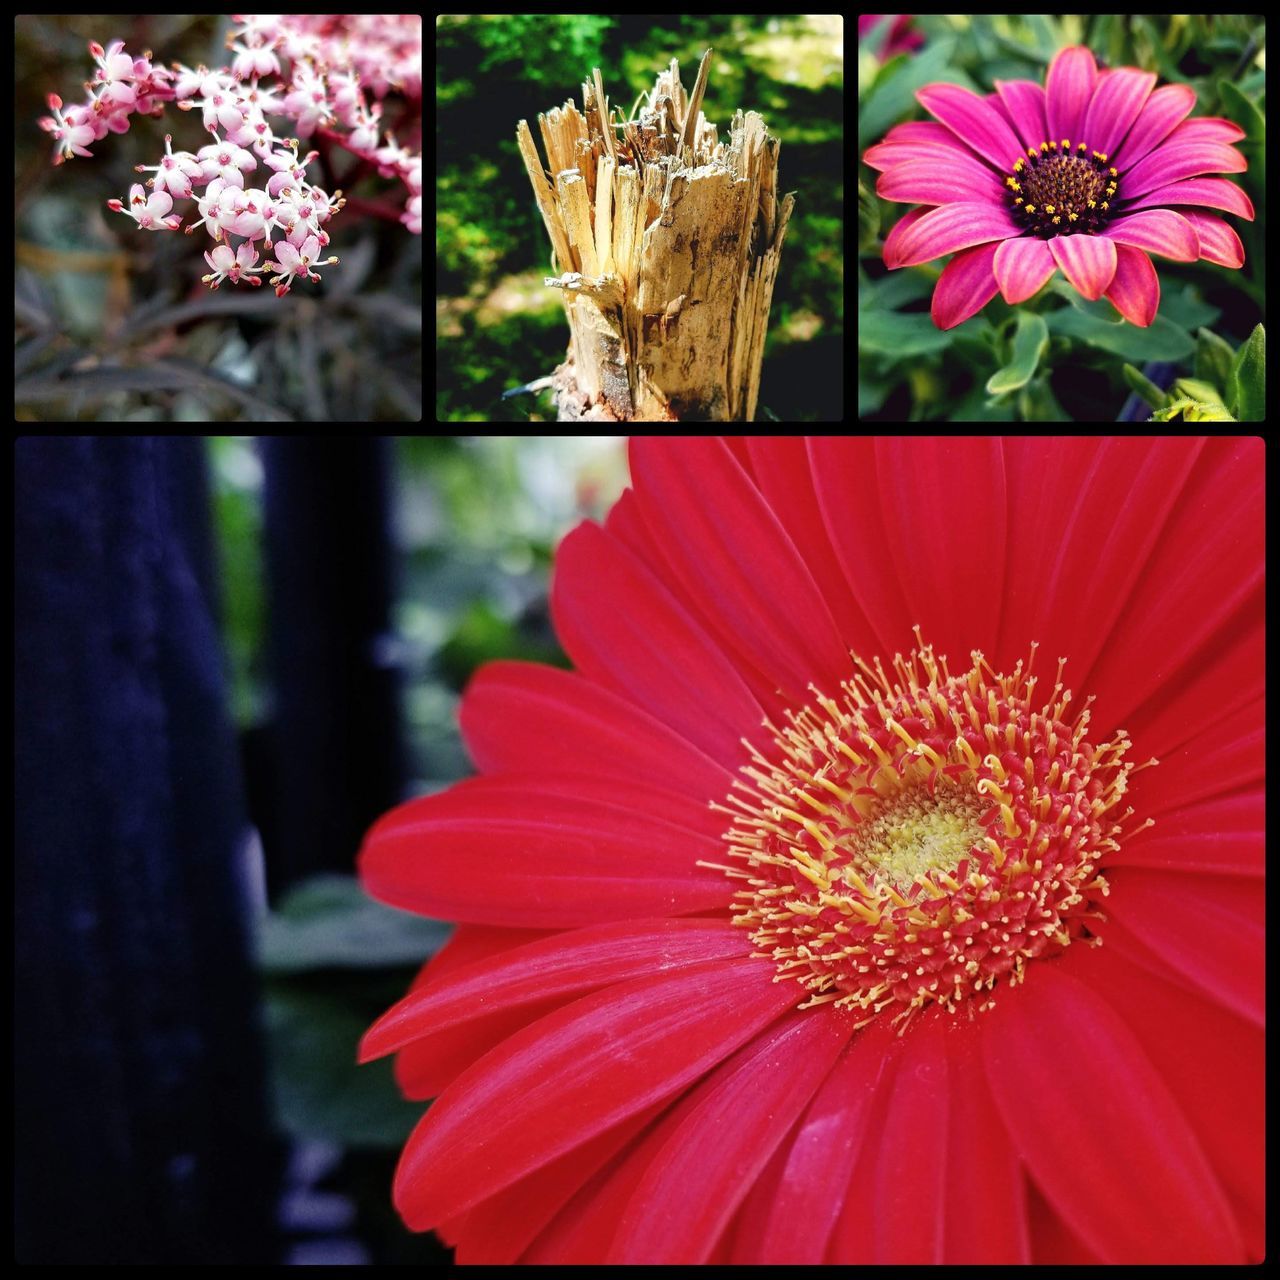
(1088, 175)
(820, 915)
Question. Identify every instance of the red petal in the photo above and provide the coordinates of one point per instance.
(986, 1192)
(796, 1210)
(911, 1168)
(1222, 836)
(519, 716)
(727, 547)
(1098, 1129)
(569, 1077)
(1214, 1065)
(552, 851)
(1193, 927)
(565, 965)
(944, 528)
(732, 1125)
(783, 475)
(624, 629)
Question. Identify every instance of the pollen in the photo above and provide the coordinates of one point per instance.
(1062, 190)
(922, 838)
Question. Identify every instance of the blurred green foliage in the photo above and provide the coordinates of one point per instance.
(497, 326)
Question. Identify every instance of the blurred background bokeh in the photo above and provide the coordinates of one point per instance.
(263, 642)
(497, 326)
(112, 322)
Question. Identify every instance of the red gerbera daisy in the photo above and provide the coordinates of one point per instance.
(1087, 174)
(818, 916)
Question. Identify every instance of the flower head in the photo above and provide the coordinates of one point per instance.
(1087, 175)
(816, 917)
(224, 265)
(151, 213)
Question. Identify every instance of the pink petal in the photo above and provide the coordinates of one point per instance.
(1213, 193)
(1206, 129)
(948, 229)
(1115, 106)
(941, 181)
(927, 131)
(1135, 289)
(1159, 231)
(915, 140)
(966, 285)
(1068, 88)
(1169, 163)
(893, 241)
(1022, 265)
(575, 1073)
(1218, 240)
(1024, 101)
(1126, 1171)
(1164, 110)
(734, 1121)
(1089, 262)
(973, 121)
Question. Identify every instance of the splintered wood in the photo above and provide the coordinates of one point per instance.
(667, 242)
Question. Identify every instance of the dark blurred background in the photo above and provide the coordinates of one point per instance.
(497, 325)
(112, 323)
(231, 656)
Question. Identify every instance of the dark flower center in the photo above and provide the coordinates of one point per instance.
(1056, 191)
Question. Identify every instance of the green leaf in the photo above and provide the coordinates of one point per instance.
(1197, 389)
(897, 289)
(1214, 358)
(1243, 112)
(1029, 342)
(330, 923)
(894, 333)
(1247, 388)
(320, 1091)
(1162, 341)
(1186, 308)
(1143, 386)
(868, 217)
(894, 93)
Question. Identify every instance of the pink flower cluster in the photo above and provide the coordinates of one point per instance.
(332, 60)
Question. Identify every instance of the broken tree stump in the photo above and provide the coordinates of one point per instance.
(667, 242)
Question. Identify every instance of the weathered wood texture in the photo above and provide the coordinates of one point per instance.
(667, 243)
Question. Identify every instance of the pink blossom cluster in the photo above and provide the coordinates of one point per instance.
(332, 62)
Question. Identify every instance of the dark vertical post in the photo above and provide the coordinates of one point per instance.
(141, 1130)
(334, 742)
